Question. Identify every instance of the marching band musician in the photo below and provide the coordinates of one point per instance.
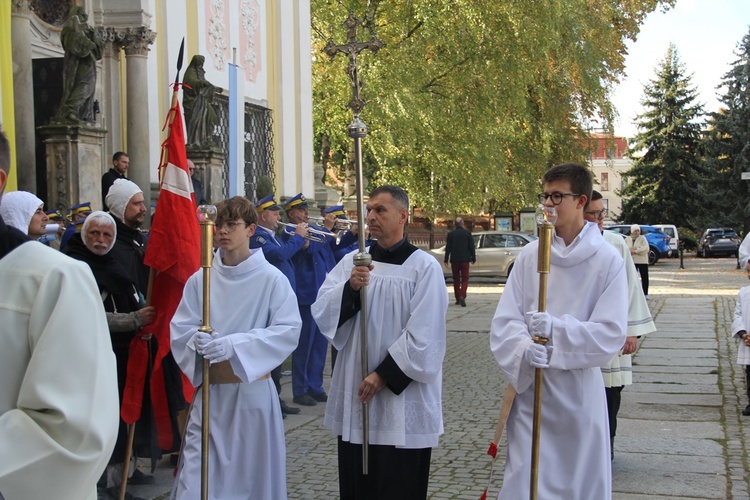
(279, 253)
(406, 343)
(310, 267)
(257, 327)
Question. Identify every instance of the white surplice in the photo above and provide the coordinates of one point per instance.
(58, 383)
(587, 296)
(619, 371)
(740, 323)
(254, 303)
(406, 307)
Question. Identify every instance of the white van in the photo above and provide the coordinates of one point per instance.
(674, 243)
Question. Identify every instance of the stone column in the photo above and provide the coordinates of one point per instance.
(210, 167)
(136, 43)
(23, 95)
(110, 80)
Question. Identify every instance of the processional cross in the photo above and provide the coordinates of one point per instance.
(357, 130)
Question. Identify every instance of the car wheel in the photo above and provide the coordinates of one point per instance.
(706, 253)
(653, 256)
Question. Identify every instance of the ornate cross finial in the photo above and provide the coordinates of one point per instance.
(352, 49)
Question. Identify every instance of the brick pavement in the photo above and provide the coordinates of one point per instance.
(681, 433)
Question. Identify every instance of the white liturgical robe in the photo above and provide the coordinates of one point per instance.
(406, 307)
(620, 370)
(58, 383)
(253, 303)
(587, 297)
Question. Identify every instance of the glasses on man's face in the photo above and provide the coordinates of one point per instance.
(599, 214)
(556, 197)
(231, 226)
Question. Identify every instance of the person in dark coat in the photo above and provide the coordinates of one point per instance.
(460, 251)
(120, 164)
(126, 314)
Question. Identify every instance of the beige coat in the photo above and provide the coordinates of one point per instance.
(58, 382)
(641, 249)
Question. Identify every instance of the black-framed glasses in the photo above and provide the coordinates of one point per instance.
(599, 214)
(231, 225)
(556, 197)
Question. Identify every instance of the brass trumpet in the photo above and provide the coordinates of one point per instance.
(339, 225)
(312, 234)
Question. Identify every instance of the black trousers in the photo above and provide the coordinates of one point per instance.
(614, 396)
(643, 269)
(393, 473)
(747, 381)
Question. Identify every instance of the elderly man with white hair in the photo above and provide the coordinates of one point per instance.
(125, 313)
(25, 212)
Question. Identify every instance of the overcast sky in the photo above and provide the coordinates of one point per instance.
(706, 34)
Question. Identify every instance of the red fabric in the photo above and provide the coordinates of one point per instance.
(173, 251)
(132, 398)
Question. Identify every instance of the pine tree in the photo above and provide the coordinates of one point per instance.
(728, 146)
(663, 184)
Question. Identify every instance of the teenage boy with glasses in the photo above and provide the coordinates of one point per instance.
(256, 327)
(585, 322)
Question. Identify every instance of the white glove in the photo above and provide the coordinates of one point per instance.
(537, 356)
(540, 323)
(200, 340)
(219, 349)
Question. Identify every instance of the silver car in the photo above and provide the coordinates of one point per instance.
(496, 252)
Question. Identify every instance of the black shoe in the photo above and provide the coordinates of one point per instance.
(463, 302)
(746, 411)
(288, 410)
(304, 400)
(139, 477)
(320, 398)
(458, 302)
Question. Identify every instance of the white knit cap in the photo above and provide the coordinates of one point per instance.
(18, 207)
(101, 218)
(119, 195)
(635, 227)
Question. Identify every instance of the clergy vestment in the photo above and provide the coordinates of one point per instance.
(406, 308)
(619, 371)
(254, 304)
(587, 297)
(58, 385)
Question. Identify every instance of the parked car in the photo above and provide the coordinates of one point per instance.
(496, 252)
(658, 242)
(718, 240)
(674, 241)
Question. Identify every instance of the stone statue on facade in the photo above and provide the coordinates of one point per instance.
(82, 49)
(197, 100)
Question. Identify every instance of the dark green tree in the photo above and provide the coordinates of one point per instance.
(728, 147)
(663, 184)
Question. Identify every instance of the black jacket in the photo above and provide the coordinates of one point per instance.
(460, 246)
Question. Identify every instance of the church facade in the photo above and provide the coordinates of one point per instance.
(266, 130)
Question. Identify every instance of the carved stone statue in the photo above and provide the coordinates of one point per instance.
(82, 49)
(197, 100)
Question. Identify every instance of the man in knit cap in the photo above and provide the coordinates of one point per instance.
(127, 206)
(25, 212)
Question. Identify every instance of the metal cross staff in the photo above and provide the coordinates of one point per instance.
(358, 130)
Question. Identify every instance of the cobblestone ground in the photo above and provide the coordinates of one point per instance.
(459, 466)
